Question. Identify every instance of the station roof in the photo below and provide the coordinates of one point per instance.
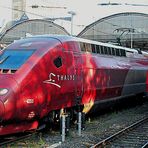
(22, 29)
(128, 29)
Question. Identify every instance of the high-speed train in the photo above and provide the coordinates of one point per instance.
(41, 75)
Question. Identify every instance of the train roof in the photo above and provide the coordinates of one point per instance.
(64, 38)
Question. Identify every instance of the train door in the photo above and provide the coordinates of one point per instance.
(56, 80)
(78, 80)
(61, 85)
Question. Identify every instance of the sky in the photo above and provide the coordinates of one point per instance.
(87, 11)
(5, 14)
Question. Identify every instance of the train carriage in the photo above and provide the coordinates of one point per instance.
(41, 75)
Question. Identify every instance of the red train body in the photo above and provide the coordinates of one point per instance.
(43, 74)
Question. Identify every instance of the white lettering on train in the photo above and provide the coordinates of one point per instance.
(53, 78)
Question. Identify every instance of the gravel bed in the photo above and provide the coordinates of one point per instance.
(97, 128)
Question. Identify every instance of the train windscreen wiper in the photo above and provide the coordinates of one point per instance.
(2, 51)
(4, 59)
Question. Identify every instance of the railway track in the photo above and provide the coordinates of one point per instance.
(97, 129)
(11, 139)
(135, 135)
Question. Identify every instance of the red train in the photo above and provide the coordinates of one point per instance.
(41, 75)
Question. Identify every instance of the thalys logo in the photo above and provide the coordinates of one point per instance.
(53, 78)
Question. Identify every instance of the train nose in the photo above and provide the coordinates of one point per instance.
(1, 110)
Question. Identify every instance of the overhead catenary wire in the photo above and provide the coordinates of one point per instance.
(23, 11)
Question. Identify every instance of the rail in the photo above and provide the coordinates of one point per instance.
(106, 141)
(10, 139)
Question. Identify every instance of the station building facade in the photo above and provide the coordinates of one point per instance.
(127, 29)
(25, 28)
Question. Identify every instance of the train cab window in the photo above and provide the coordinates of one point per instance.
(14, 59)
(93, 48)
(58, 62)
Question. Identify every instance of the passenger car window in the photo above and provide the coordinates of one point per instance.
(105, 50)
(58, 62)
(109, 51)
(102, 49)
(113, 51)
(82, 46)
(98, 48)
(88, 47)
(123, 53)
(117, 52)
(93, 48)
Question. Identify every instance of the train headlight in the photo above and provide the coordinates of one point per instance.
(3, 91)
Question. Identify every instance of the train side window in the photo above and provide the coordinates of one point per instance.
(82, 46)
(102, 49)
(117, 52)
(58, 62)
(113, 52)
(88, 47)
(109, 51)
(129, 54)
(93, 48)
(98, 49)
(120, 54)
(123, 54)
(139, 51)
(105, 50)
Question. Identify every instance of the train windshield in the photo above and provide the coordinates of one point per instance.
(13, 59)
